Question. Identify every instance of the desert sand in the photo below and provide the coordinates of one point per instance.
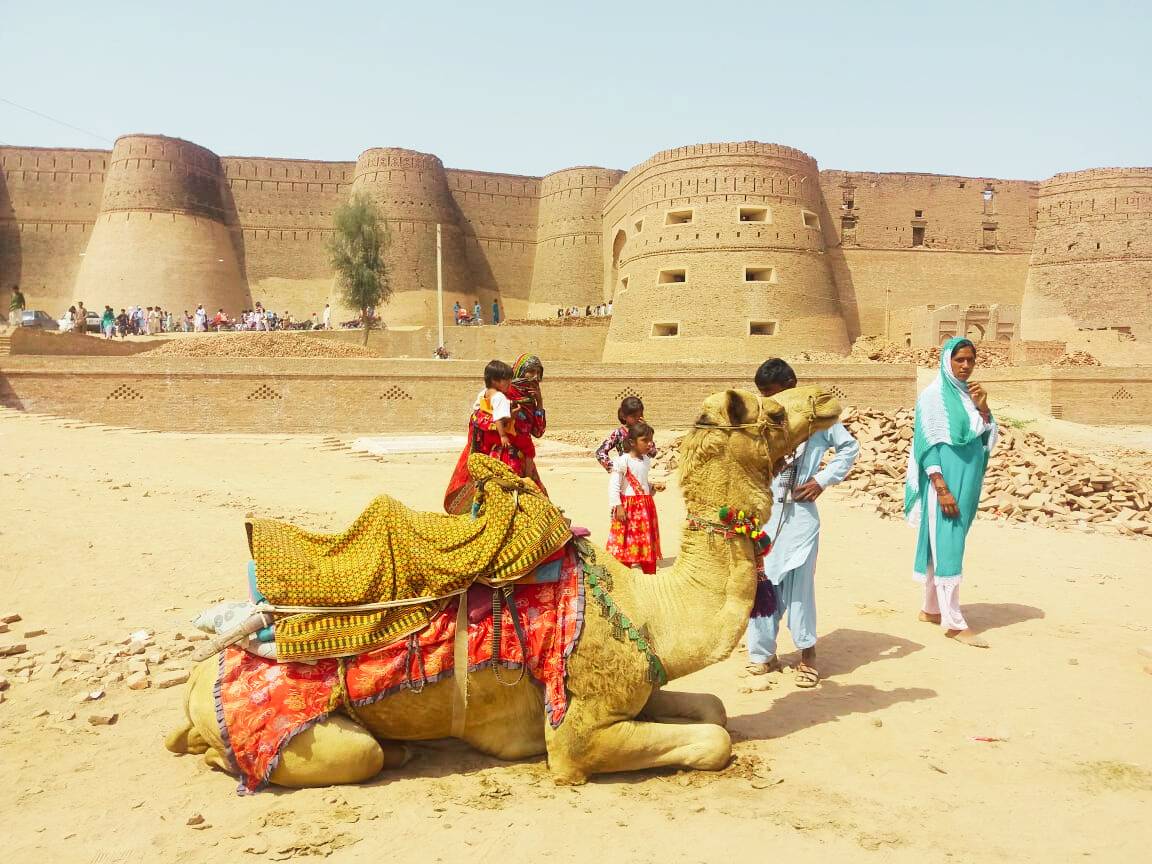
(106, 532)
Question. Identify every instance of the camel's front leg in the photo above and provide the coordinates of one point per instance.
(632, 745)
(668, 706)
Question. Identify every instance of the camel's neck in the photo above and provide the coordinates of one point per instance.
(698, 610)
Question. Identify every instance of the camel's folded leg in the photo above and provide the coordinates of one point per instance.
(668, 706)
(337, 750)
(632, 745)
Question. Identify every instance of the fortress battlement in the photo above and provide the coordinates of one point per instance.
(738, 249)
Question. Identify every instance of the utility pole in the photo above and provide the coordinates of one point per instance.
(439, 290)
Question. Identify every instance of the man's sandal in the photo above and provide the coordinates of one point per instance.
(772, 665)
(806, 676)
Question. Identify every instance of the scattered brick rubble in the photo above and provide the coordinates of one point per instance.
(1028, 480)
(257, 345)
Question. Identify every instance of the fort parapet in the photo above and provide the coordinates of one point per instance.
(736, 250)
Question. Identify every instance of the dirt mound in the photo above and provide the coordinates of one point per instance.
(1077, 358)
(257, 345)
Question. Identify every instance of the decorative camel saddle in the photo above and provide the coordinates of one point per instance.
(394, 568)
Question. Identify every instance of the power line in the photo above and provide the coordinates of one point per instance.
(95, 135)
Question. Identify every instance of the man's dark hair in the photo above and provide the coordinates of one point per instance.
(630, 405)
(496, 370)
(775, 371)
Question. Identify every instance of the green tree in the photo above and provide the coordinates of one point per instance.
(357, 253)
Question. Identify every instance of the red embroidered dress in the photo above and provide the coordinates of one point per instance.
(636, 540)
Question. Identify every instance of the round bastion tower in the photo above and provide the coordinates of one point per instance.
(1091, 264)
(569, 240)
(163, 233)
(411, 190)
(716, 252)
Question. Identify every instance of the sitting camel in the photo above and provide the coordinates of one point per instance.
(691, 615)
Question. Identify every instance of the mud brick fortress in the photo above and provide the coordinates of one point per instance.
(712, 250)
(712, 254)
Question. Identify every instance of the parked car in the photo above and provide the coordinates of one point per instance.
(92, 324)
(38, 318)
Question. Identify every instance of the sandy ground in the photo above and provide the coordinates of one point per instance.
(878, 764)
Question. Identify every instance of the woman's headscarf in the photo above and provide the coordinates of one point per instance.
(525, 362)
(945, 414)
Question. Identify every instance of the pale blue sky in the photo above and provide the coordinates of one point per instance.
(1003, 89)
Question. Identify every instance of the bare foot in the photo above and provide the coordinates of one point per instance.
(930, 618)
(967, 637)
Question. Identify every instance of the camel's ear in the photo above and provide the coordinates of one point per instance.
(772, 411)
(735, 408)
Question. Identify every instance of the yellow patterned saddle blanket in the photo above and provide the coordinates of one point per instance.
(394, 553)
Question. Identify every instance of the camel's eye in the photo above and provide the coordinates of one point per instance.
(705, 420)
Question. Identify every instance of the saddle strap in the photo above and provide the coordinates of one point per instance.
(460, 668)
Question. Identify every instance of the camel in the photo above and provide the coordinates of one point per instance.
(693, 613)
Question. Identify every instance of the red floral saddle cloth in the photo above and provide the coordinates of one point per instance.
(261, 705)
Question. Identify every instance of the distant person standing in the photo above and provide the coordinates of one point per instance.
(200, 320)
(495, 311)
(456, 312)
(108, 322)
(153, 320)
(122, 323)
(327, 317)
(16, 307)
(477, 316)
(80, 322)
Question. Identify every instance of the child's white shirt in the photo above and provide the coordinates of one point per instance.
(618, 485)
(501, 405)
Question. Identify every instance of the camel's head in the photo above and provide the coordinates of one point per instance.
(728, 458)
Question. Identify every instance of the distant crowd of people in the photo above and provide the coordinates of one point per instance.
(601, 310)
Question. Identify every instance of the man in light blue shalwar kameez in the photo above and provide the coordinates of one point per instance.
(794, 527)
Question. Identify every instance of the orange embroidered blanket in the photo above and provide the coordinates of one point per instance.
(261, 705)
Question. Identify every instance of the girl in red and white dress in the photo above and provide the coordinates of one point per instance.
(634, 538)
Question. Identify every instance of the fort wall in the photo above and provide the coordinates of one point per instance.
(569, 240)
(1091, 264)
(717, 251)
(498, 214)
(284, 210)
(49, 201)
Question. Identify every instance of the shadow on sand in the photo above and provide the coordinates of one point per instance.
(983, 617)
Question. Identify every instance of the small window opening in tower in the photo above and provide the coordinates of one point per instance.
(754, 214)
(989, 238)
(624, 285)
(759, 274)
(665, 329)
(638, 225)
(761, 328)
(847, 223)
(989, 196)
(917, 236)
(668, 277)
(962, 184)
(678, 217)
(811, 220)
(919, 214)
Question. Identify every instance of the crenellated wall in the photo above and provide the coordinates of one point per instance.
(569, 239)
(729, 249)
(717, 252)
(49, 201)
(498, 214)
(1091, 265)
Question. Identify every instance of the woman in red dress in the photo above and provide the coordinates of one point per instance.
(526, 407)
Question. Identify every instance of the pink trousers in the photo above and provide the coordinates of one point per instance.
(943, 599)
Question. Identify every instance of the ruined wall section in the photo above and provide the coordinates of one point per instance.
(570, 247)
(49, 201)
(284, 210)
(716, 251)
(1091, 265)
(498, 214)
(166, 230)
(898, 241)
(411, 190)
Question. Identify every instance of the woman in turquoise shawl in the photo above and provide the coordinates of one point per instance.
(954, 434)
